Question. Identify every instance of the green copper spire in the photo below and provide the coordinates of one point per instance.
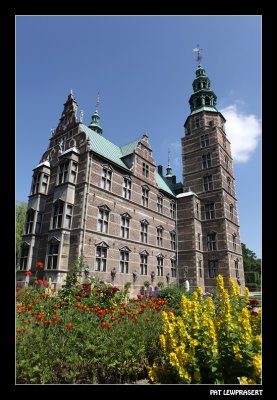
(203, 98)
(94, 125)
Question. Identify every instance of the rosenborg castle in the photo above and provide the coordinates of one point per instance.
(132, 221)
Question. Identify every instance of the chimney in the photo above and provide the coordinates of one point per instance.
(160, 170)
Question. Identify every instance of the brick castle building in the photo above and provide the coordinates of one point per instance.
(131, 222)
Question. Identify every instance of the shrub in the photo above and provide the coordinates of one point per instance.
(212, 341)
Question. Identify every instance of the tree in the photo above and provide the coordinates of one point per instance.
(252, 268)
(21, 208)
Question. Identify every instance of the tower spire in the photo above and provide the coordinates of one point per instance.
(203, 98)
(94, 125)
(168, 169)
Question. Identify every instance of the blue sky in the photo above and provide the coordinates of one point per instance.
(143, 67)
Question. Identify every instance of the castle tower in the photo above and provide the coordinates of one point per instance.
(208, 225)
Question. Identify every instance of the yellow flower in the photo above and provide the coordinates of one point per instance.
(257, 362)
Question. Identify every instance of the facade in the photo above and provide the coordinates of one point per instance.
(131, 223)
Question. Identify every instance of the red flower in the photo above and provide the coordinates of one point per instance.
(103, 324)
(39, 265)
(45, 282)
(28, 273)
(254, 313)
(69, 326)
(109, 327)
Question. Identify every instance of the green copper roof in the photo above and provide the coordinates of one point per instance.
(129, 148)
(113, 153)
(204, 108)
(162, 184)
(103, 146)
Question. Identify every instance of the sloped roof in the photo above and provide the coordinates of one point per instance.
(129, 148)
(102, 146)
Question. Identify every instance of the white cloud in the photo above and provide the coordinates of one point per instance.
(242, 130)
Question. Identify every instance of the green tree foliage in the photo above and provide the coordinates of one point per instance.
(21, 208)
(252, 268)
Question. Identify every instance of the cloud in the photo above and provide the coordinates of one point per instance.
(242, 130)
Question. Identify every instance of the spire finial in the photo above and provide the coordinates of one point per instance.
(71, 92)
(168, 158)
(97, 101)
(168, 169)
(197, 50)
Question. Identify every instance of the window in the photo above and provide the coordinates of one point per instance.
(38, 223)
(143, 231)
(143, 264)
(63, 172)
(160, 265)
(209, 211)
(208, 183)
(211, 123)
(35, 184)
(226, 162)
(172, 209)
(197, 122)
(197, 210)
(200, 268)
(205, 140)
(206, 161)
(160, 204)
(58, 214)
(207, 101)
(106, 181)
(211, 241)
(231, 212)
(53, 253)
(127, 187)
(124, 262)
(213, 268)
(224, 143)
(103, 219)
(125, 224)
(68, 216)
(199, 241)
(229, 184)
(39, 183)
(30, 216)
(173, 240)
(173, 268)
(234, 241)
(101, 259)
(144, 196)
(24, 257)
(159, 236)
(237, 268)
(44, 183)
(145, 170)
(73, 172)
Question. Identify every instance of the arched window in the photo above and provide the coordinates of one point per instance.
(207, 101)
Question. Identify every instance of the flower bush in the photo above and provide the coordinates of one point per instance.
(76, 338)
(214, 340)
